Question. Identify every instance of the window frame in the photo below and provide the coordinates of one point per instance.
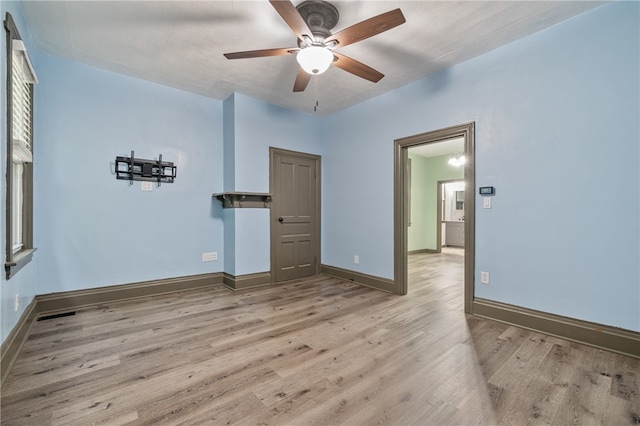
(15, 261)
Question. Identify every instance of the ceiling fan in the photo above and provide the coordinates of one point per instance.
(312, 21)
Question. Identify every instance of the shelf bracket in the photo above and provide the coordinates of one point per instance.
(236, 200)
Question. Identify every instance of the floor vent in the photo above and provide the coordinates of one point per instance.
(64, 314)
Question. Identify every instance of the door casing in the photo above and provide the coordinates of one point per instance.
(273, 153)
(401, 203)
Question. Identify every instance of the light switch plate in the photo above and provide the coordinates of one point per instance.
(486, 202)
(146, 186)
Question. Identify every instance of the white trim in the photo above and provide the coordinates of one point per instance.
(21, 151)
(30, 73)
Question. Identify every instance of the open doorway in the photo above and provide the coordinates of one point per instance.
(452, 160)
(452, 216)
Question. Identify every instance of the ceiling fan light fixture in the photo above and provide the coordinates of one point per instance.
(457, 162)
(315, 59)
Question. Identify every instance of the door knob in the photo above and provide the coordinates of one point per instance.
(281, 219)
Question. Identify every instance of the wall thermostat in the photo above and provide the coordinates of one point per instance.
(487, 190)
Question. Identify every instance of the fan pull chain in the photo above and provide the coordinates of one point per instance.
(315, 108)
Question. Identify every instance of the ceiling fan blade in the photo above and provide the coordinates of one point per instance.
(356, 68)
(261, 53)
(368, 28)
(292, 17)
(302, 80)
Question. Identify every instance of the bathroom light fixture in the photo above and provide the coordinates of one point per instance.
(315, 59)
(457, 162)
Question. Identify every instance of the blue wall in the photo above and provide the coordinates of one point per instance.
(557, 134)
(93, 230)
(258, 126)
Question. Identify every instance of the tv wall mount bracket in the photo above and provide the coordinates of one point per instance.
(131, 168)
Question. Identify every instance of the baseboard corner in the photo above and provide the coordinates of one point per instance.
(242, 282)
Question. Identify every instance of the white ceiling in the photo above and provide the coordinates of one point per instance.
(180, 43)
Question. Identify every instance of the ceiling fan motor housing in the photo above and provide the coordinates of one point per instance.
(321, 17)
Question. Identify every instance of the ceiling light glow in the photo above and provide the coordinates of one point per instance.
(457, 162)
(315, 59)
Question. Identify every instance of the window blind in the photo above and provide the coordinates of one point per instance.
(23, 77)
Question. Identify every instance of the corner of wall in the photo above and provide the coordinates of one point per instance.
(229, 137)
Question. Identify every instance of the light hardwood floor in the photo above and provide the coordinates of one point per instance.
(313, 351)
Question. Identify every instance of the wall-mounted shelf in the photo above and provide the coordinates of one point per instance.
(235, 200)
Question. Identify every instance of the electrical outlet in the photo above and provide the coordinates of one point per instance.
(210, 256)
(16, 305)
(484, 277)
(356, 259)
(146, 186)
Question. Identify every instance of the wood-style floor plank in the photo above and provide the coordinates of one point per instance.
(315, 351)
